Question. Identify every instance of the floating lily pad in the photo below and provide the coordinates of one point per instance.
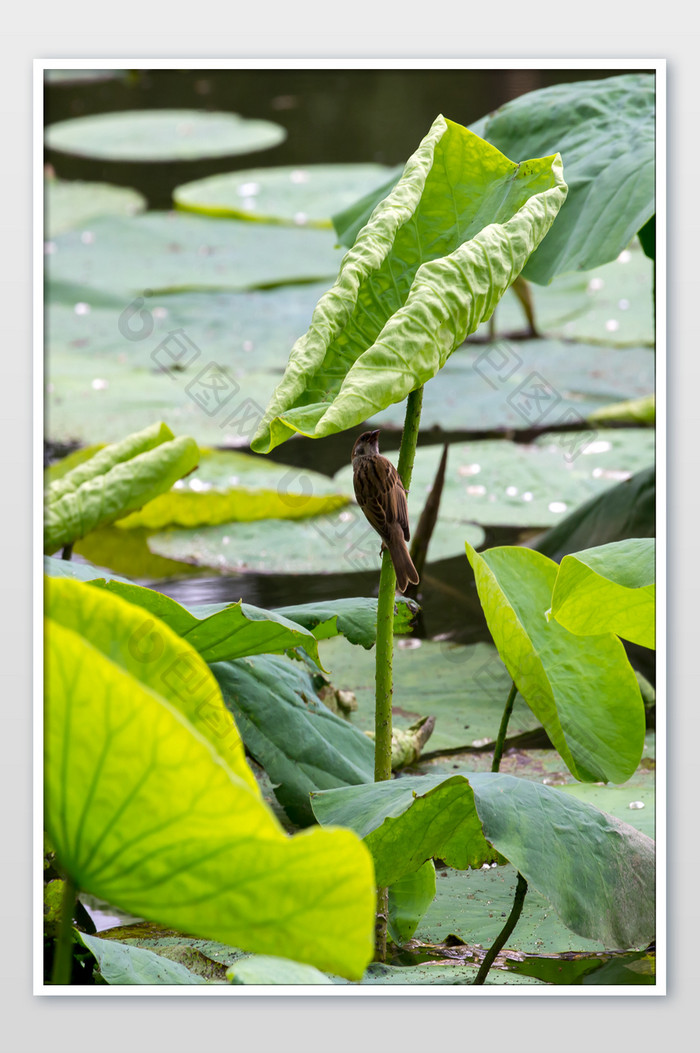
(464, 688)
(471, 905)
(111, 370)
(99, 399)
(122, 257)
(162, 135)
(303, 196)
(70, 205)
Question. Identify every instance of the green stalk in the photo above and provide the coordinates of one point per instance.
(384, 683)
(501, 737)
(499, 943)
(63, 948)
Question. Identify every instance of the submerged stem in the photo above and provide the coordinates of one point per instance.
(501, 737)
(499, 942)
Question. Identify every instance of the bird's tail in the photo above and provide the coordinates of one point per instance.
(406, 573)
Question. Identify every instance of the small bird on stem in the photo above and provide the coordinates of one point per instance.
(382, 497)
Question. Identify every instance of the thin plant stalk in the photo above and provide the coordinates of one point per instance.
(500, 941)
(63, 949)
(384, 683)
(502, 731)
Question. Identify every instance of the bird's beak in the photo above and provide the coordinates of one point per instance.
(374, 434)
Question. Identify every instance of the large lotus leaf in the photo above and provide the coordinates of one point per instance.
(74, 204)
(113, 482)
(230, 486)
(464, 687)
(581, 688)
(161, 135)
(299, 742)
(495, 481)
(268, 970)
(232, 631)
(355, 619)
(610, 588)
(431, 264)
(303, 196)
(120, 963)
(163, 252)
(624, 511)
(604, 131)
(597, 872)
(409, 898)
(150, 652)
(472, 905)
(70, 568)
(148, 812)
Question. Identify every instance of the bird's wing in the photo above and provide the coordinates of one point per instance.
(397, 510)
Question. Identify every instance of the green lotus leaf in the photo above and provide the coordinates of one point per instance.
(595, 721)
(610, 588)
(299, 742)
(231, 486)
(428, 268)
(265, 969)
(223, 633)
(355, 619)
(596, 871)
(604, 131)
(113, 482)
(149, 809)
(120, 963)
(409, 899)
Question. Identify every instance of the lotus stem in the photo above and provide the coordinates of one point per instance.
(499, 942)
(385, 646)
(63, 947)
(502, 731)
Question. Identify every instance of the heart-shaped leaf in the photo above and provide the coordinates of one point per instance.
(581, 688)
(610, 588)
(596, 871)
(152, 807)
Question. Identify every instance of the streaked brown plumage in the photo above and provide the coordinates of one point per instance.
(382, 498)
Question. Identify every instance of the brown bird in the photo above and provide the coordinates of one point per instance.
(382, 497)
